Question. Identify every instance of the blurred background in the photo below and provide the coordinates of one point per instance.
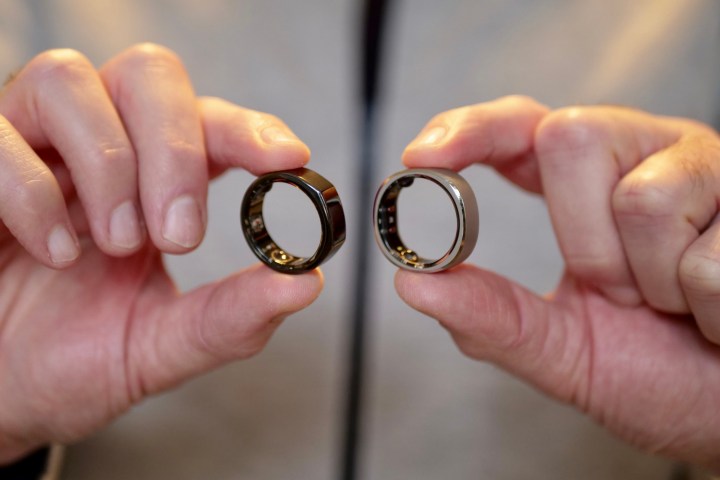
(427, 412)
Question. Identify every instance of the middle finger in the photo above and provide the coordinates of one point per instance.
(154, 97)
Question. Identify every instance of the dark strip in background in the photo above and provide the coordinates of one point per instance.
(31, 467)
(374, 13)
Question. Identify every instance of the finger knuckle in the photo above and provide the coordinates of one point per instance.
(444, 118)
(243, 343)
(700, 275)
(59, 65)
(224, 336)
(258, 120)
(150, 56)
(643, 199)
(32, 188)
(694, 156)
(469, 128)
(574, 129)
(522, 102)
(120, 153)
(184, 153)
(270, 119)
(112, 158)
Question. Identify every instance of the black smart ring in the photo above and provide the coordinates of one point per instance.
(324, 197)
(385, 217)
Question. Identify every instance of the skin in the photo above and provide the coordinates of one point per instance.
(630, 336)
(93, 163)
(90, 322)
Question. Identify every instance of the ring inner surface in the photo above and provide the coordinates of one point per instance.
(263, 241)
(387, 218)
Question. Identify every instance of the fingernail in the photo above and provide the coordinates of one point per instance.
(62, 246)
(431, 137)
(275, 135)
(125, 230)
(183, 222)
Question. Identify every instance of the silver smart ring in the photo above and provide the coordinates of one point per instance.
(385, 215)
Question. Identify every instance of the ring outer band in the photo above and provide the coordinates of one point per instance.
(324, 197)
(385, 214)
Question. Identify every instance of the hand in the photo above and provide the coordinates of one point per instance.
(102, 171)
(630, 334)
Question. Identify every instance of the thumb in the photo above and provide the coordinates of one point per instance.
(183, 336)
(491, 318)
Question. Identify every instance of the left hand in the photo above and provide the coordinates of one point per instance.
(630, 336)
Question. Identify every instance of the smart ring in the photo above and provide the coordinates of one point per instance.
(323, 195)
(385, 216)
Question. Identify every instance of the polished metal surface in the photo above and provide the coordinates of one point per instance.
(385, 215)
(324, 197)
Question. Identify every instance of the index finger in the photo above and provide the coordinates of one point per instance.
(255, 141)
(498, 133)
